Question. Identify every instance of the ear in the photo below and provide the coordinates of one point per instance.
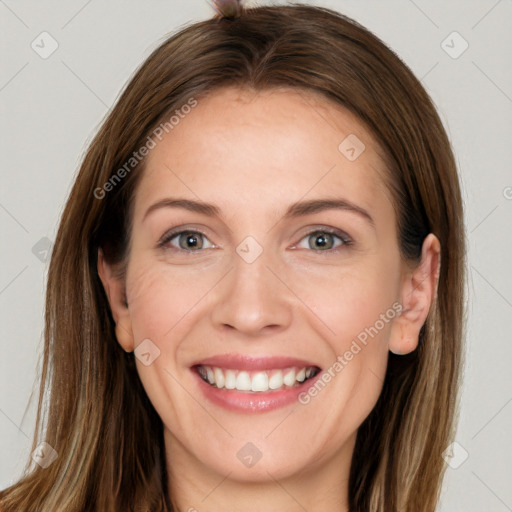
(419, 289)
(114, 288)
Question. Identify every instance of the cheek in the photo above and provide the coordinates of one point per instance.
(357, 307)
(162, 299)
(351, 301)
(164, 304)
(359, 310)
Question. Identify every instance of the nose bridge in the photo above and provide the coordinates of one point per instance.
(251, 296)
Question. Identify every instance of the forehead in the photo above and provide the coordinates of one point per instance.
(264, 148)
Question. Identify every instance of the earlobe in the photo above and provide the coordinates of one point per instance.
(114, 289)
(419, 289)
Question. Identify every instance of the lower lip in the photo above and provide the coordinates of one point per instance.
(239, 401)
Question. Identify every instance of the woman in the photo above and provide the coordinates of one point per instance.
(255, 298)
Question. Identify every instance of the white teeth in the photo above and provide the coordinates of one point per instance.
(289, 377)
(219, 377)
(209, 375)
(276, 381)
(243, 382)
(230, 381)
(258, 381)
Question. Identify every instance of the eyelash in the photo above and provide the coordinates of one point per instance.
(342, 236)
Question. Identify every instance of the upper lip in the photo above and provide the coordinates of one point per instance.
(253, 363)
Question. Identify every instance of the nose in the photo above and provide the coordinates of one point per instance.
(253, 298)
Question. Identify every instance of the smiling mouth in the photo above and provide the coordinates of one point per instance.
(256, 381)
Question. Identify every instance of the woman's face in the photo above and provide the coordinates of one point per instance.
(266, 286)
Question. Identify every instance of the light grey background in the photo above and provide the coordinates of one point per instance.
(51, 107)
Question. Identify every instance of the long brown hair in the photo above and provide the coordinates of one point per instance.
(98, 418)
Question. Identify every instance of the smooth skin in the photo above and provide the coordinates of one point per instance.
(252, 154)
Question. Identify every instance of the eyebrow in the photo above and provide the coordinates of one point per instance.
(297, 209)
